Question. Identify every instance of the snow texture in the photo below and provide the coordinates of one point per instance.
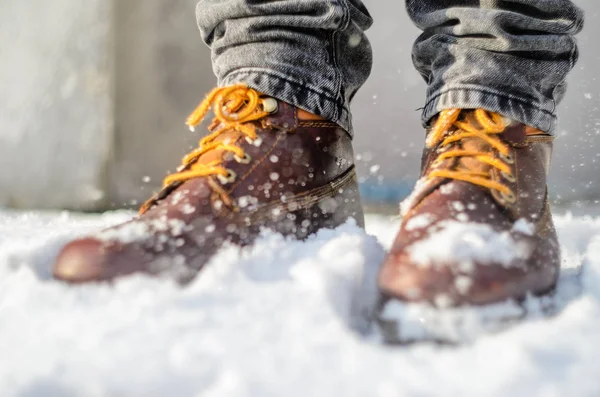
(282, 318)
(469, 243)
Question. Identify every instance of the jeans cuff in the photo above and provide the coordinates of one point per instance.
(540, 116)
(296, 93)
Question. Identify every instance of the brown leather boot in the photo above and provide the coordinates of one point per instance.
(262, 166)
(477, 229)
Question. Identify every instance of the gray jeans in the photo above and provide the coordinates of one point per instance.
(506, 56)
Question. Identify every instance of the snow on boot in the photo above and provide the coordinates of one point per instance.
(476, 231)
(265, 165)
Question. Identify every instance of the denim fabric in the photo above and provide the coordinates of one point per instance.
(507, 56)
(310, 53)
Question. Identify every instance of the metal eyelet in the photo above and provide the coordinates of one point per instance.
(507, 121)
(509, 177)
(243, 160)
(227, 179)
(254, 142)
(270, 105)
(509, 159)
(510, 198)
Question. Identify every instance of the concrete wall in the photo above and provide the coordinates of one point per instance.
(56, 118)
(162, 70)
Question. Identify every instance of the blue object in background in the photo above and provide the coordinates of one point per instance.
(385, 193)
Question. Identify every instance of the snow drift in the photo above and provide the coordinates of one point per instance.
(282, 318)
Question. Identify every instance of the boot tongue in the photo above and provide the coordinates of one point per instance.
(473, 164)
(426, 185)
(473, 144)
(230, 137)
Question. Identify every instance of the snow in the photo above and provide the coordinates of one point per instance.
(469, 243)
(419, 221)
(456, 326)
(282, 318)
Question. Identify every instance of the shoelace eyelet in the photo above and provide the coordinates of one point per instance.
(507, 121)
(254, 142)
(509, 177)
(508, 159)
(509, 198)
(270, 105)
(243, 160)
(227, 179)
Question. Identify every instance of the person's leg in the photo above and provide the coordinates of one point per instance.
(266, 164)
(312, 54)
(510, 57)
(477, 228)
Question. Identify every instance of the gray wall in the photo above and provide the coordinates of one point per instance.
(56, 102)
(163, 71)
(93, 146)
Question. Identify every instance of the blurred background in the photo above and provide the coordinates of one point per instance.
(94, 94)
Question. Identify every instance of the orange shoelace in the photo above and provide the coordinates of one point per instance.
(235, 107)
(490, 126)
